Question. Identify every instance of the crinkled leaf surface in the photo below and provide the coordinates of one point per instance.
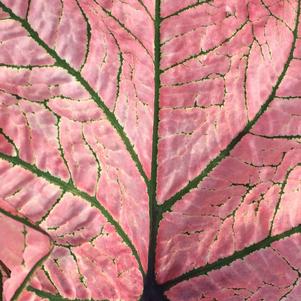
(150, 150)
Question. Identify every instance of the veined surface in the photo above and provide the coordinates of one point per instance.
(150, 150)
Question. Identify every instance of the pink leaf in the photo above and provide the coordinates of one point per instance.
(150, 150)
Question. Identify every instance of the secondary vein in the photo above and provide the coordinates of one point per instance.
(230, 259)
(226, 151)
(69, 187)
(60, 62)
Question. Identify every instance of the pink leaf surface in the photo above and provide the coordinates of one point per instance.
(22, 248)
(150, 150)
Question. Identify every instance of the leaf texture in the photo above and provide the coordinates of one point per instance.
(150, 150)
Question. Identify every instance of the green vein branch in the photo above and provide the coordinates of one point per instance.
(94, 95)
(52, 297)
(230, 259)
(69, 187)
(226, 152)
(27, 223)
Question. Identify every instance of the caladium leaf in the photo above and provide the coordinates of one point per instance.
(150, 150)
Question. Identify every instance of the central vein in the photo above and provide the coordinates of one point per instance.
(150, 286)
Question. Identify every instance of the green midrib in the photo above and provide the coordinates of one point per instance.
(151, 289)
